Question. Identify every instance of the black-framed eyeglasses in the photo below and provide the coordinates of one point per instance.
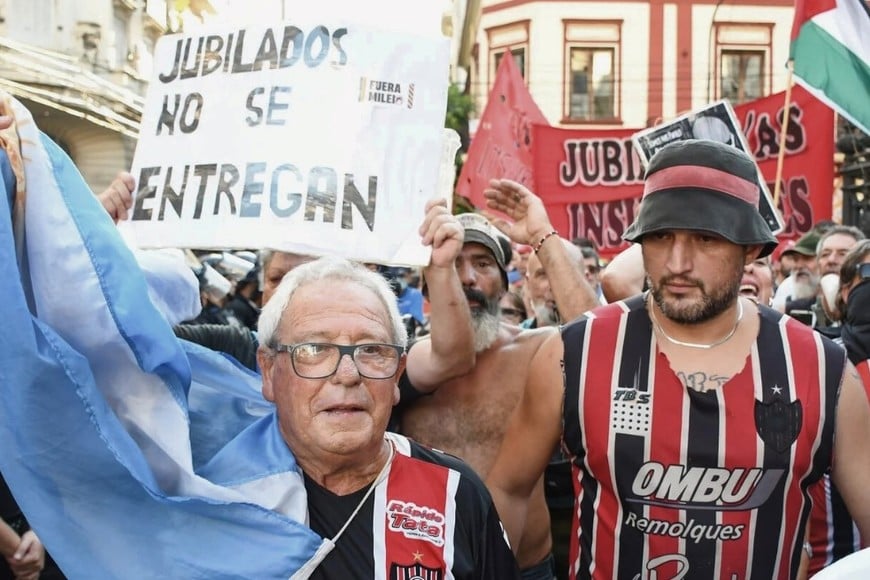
(318, 360)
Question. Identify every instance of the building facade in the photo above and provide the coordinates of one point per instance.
(82, 69)
(629, 63)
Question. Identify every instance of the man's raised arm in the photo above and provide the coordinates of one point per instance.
(532, 227)
(448, 351)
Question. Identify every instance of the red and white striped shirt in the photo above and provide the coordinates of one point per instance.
(674, 483)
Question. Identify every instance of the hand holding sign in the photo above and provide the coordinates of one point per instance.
(118, 197)
(443, 232)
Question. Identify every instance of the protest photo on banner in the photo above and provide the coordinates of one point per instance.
(715, 122)
(322, 134)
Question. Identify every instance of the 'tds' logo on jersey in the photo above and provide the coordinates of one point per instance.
(629, 395)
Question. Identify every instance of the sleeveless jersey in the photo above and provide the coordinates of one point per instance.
(430, 518)
(674, 483)
(833, 534)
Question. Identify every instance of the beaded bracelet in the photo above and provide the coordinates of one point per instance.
(537, 247)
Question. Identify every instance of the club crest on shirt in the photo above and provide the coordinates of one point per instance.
(415, 572)
(416, 522)
(778, 422)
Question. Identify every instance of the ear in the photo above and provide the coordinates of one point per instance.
(266, 360)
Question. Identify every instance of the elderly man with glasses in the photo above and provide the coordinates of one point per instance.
(332, 350)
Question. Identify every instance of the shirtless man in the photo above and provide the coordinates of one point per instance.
(467, 416)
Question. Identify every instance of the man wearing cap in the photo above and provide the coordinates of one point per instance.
(467, 416)
(695, 418)
(818, 253)
(803, 282)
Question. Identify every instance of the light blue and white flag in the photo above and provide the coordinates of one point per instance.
(100, 442)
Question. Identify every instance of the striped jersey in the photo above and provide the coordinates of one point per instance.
(675, 483)
(832, 533)
(430, 518)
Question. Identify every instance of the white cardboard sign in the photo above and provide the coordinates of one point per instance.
(316, 135)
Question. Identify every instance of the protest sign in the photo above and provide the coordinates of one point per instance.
(318, 135)
(716, 122)
(591, 180)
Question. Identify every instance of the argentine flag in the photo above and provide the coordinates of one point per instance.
(132, 454)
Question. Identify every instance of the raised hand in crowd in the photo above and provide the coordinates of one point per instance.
(529, 220)
(443, 232)
(118, 197)
(531, 225)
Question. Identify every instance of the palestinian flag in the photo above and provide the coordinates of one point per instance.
(830, 46)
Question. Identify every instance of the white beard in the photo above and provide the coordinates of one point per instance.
(545, 316)
(486, 326)
(805, 289)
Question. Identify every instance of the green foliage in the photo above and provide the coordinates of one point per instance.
(460, 106)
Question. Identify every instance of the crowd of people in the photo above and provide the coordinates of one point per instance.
(698, 406)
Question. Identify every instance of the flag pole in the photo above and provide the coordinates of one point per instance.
(777, 185)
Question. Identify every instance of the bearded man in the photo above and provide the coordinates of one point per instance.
(467, 416)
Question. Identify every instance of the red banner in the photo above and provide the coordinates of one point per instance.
(502, 146)
(591, 180)
(807, 186)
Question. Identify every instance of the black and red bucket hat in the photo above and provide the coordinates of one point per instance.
(702, 185)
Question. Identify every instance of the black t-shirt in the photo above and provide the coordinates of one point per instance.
(239, 343)
(9, 509)
(429, 513)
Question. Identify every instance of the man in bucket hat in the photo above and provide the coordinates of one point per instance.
(695, 418)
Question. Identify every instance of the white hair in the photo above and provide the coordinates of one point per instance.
(334, 269)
